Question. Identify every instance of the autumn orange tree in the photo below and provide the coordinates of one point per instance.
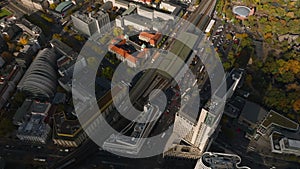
(296, 105)
(23, 40)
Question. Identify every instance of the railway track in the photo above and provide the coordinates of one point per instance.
(200, 18)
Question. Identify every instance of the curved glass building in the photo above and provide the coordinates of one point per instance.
(40, 80)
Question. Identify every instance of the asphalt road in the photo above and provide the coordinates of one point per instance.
(106, 160)
(23, 153)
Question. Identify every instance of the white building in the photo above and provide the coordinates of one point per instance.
(33, 4)
(283, 145)
(201, 129)
(91, 23)
(133, 144)
(290, 146)
(211, 160)
(146, 12)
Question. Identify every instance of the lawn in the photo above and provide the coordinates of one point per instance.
(4, 13)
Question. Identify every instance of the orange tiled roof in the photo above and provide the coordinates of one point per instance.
(151, 38)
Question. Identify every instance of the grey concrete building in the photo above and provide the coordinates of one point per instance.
(34, 128)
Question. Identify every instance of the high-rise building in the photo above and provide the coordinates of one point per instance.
(91, 23)
(201, 128)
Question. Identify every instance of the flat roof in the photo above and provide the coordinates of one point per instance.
(274, 118)
(65, 127)
(184, 45)
(253, 112)
(21, 112)
(294, 143)
(129, 10)
(39, 107)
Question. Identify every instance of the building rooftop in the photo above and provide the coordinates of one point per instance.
(34, 127)
(40, 79)
(64, 127)
(84, 17)
(184, 45)
(283, 143)
(219, 160)
(40, 107)
(253, 112)
(31, 26)
(234, 76)
(293, 144)
(62, 48)
(59, 98)
(63, 5)
(127, 50)
(129, 10)
(34, 120)
(241, 11)
(273, 118)
(123, 2)
(21, 112)
(187, 110)
(130, 139)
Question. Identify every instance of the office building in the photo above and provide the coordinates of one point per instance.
(211, 160)
(282, 144)
(40, 79)
(251, 115)
(9, 78)
(90, 23)
(34, 128)
(67, 131)
(133, 143)
(275, 120)
(198, 131)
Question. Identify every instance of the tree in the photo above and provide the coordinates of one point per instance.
(276, 98)
(296, 105)
(157, 1)
(66, 28)
(79, 37)
(57, 36)
(286, 77)
(241, 35)
(227, 65)
(53, 6)
(7, 57)
(228, 36)
(117, 31)
(293, 87)
(92, 62)
(6, 127)
(23, 40)
(11, 46)
(197, 2)
(107, 72)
